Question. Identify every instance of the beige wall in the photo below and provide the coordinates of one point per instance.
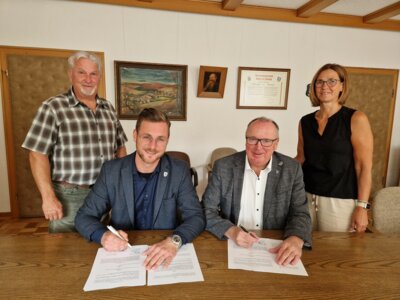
(144, 35)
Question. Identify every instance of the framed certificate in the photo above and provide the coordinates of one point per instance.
(262, 88)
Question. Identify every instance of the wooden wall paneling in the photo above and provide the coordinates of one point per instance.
(373, 91)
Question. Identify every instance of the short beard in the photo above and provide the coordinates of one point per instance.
(88, 93)
(143, 158)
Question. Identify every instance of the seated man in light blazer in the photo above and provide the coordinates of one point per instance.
(145, 190)
(259, 189)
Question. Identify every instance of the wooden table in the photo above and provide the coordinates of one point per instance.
(340, 266)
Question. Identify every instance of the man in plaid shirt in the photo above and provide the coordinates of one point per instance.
(71, 136)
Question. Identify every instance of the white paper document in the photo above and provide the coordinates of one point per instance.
(125, 268)
(184, 268)
(115, 269)
(259, 259)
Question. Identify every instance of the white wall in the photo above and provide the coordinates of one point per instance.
(144, 35)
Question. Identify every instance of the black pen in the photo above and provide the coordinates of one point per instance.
(244, 229)
(251, 233)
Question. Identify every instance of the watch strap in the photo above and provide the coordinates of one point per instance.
(363, 204)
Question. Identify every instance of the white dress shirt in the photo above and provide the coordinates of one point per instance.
(252, 199)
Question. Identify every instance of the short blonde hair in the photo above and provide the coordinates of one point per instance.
(342, 73)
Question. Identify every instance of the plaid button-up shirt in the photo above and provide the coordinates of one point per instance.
(76, 139)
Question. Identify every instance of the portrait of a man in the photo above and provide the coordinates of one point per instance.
(211, 81)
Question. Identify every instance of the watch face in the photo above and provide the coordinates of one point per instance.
(176, 239)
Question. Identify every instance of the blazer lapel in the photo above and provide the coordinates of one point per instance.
(238, 175)
(271, 187)
(162, 182)
(127, 184)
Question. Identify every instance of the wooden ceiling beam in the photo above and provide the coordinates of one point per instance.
(254, 12)
(313, 7)
(231, 4)
(383, 14)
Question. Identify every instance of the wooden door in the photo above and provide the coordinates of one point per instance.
(29, 76)
(373, 92)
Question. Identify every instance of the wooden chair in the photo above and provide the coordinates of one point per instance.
(183, 156)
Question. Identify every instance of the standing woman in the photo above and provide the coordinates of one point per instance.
(335, 148)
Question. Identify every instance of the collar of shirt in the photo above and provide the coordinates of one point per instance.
(137, 173)
(267, 168)
(73, 101)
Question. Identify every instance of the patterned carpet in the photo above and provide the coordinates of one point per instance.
(23, 226)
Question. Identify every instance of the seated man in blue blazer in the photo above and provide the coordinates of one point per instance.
(259, 189)
(145, 190)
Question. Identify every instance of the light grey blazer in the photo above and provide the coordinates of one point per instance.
(285, 202)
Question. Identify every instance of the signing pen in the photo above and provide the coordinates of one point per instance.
(116, 233)
(251, 233)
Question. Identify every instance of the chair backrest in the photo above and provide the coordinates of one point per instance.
(386, 210)
(217, 154)
(183, 156)
(179, 155)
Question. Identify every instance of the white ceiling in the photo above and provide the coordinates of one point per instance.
(345, 7)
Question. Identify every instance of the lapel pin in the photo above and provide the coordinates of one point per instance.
(165, 174)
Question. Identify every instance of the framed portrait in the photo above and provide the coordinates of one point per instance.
(262, 88)
(211, 82)
(144, 85)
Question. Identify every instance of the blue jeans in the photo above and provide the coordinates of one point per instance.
(71, 199)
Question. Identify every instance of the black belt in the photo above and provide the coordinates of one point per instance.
(68, 185)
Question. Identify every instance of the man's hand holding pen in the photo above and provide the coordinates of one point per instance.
(241, 236)
(114, 240)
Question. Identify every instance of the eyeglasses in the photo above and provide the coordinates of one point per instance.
(330, 82)
(264, 142)
(147, 139)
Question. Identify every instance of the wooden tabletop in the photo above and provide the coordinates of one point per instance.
(340, 266)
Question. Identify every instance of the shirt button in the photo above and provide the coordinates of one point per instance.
(257, 209)
(257, 225)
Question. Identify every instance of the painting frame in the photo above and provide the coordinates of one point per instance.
(209, 88)
(140, 85)
(262, 88)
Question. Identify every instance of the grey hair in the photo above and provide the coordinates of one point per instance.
(267, 120)
(83, 54)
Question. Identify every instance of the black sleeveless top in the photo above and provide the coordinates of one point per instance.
(329, 164)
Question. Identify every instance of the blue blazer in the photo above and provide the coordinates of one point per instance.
(285, 203)
(176, 205)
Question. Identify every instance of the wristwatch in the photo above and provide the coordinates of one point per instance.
(176, 240)
(363, 204)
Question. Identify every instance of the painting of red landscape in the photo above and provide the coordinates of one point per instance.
(143, 85)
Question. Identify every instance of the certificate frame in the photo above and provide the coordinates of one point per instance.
(217, 89)
(141, 85)
(262, 88)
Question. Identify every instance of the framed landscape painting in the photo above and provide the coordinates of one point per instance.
(144, 85)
